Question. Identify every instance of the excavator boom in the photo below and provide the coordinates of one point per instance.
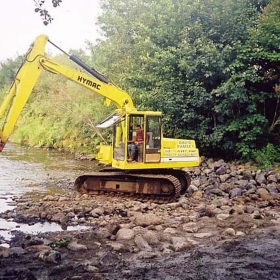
(29, 73)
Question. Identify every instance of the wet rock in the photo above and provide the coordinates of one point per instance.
(74, 246)
(50, 256)
(60, 218)
(103, 233)
(229, 232)
(19, 273)
(109, 259)
(119, 247)
(226, 201)
(37, 248)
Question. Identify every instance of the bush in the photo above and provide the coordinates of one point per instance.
(267, 156)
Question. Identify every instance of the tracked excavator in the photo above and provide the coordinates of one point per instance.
(155, 173)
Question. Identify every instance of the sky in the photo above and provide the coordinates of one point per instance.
(74, 23)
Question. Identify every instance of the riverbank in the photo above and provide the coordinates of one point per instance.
(225, 227)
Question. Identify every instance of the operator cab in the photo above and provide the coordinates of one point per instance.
(148, 150)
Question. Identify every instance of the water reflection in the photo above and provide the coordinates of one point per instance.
(24, 169)
(8, 227)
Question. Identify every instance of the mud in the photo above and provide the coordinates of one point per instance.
(254, 254)
(254, 257)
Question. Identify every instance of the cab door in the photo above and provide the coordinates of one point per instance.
(152, 150)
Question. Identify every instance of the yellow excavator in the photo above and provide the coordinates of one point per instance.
(156, 171)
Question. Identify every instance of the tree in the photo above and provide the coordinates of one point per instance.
(46, 17)
(187, 59)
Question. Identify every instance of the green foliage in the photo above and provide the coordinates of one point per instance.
(62, 242)
(194, 61)
(61, 114)
(8, 70)
(267, 156)
(212, 67)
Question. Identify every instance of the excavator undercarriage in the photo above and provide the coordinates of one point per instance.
(160, 186)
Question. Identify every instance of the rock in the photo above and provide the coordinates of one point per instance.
(247, 175)
(142, 244)
(263, 193)
(170, 231)
(125, 234)
(256, 215)
(151, 237)
(50, 256)
(235, 192)
(37, 248)
(118, 247)
(147, 220)
(5, 252)
(190, 227)
(227, 233)
(179, 244)
(197, 194)
(260, 178)
(109, 258)
(97, 212)
(60, 218)
(222, 217)
(224, 177)
(221, 170)
(147, 255)
(49, 198)
(103, 233)
(272, 178)
(203, 234)
(74, 246)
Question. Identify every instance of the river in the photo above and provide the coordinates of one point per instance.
(25, 169)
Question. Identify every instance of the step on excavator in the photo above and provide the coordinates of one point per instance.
(140, 162)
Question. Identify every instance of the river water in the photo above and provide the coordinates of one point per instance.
(27, 169)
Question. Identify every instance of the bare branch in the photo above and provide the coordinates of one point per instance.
(45, 15)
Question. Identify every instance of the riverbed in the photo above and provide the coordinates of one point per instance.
(27, 169)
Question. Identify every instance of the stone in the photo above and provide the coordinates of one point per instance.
(125, 234)
(180, 244)
(147, 220)
(151, 237)
(142, 244)
(190, 227)
(50, 256)
(74, 246)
